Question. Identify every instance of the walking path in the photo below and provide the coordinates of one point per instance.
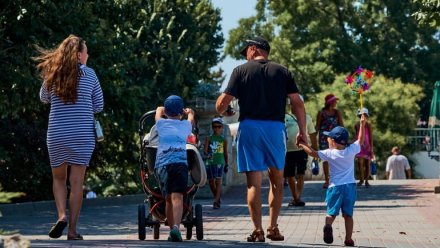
(388, 214)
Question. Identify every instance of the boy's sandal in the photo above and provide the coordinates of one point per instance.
(274, 234)
(216, 205)
(256, 236)
(57, 229)
(76, 237)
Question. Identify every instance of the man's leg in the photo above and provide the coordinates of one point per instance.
(292, 186)
(348, 226)
(254, 179)
(299, 186)
(326, 174)
(275, 194)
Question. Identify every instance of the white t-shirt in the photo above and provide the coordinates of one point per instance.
(396, 166)
(341, 163)
(292, 130)
(172, 141)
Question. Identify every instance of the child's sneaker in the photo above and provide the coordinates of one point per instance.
(175, 235)
(349, 242)
(328, 234)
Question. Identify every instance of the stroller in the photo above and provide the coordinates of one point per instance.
(152, 212)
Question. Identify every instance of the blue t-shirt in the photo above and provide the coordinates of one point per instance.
(341, 163)
(172, 141)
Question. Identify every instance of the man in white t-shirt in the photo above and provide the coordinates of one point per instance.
(397, 166)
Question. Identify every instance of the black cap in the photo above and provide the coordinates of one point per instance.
(259, 42)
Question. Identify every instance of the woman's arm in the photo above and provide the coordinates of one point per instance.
(339, 117)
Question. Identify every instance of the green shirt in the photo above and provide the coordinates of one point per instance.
(216, 144)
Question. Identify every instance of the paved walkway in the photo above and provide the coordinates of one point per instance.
(389, 214)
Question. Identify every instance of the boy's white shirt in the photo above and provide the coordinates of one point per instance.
(341, 163)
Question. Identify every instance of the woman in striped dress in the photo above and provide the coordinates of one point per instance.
(73, 91)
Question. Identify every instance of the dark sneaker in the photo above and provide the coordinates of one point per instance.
(294, 203)
(216, 205)
(367, 185)
(328, 234)
(175, 235)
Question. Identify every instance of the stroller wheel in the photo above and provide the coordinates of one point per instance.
(199, 222)
(141, 221)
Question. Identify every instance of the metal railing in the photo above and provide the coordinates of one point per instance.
(425, 139)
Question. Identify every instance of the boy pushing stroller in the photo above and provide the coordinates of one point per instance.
(171, 167)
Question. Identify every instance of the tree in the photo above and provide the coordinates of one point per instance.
(429, 12)
(318, 40)
(141, 50)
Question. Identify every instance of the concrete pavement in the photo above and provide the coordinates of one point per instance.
(388, 214)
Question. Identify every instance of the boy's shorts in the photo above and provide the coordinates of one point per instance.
(341, 197)
(260, 145)
(173, 178)
(296, 163)
(214, 171)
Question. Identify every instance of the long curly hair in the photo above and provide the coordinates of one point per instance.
(59, 68)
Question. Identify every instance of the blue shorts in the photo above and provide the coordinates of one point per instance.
(341, 197)
(260, 145)
(214, 171)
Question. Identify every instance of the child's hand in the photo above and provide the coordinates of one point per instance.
(188, 111)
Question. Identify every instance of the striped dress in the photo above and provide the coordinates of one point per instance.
(71, 133)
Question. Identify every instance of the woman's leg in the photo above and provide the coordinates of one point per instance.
(367, 170)
(361, 171)
(59, 188)
(76, 179)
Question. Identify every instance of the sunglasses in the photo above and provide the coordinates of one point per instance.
(217, 126)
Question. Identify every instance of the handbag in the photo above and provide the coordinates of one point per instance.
(373, 168)
(99, 134)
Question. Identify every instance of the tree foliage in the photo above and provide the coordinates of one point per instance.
(141, 50)
(318, 40)
(429, 12)
(392, 107)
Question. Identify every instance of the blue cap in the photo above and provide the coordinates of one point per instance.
(339, 134)
(173, 106)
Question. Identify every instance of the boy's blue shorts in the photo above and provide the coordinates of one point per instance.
(173, 178)
(341, 197)
(260, 145)
(214, 171)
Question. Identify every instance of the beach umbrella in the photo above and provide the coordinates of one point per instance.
(434, 113)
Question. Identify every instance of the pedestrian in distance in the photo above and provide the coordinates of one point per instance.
(216, 148)
(261, 87)
(341, 194)
(296, 158)
(397, 166)
(367, 150)
(171, 168)
(73, 91)
(327, 119)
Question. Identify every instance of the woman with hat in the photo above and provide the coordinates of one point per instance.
(328, 118)
(366, 155)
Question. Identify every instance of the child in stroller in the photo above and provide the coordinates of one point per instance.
(170, 158)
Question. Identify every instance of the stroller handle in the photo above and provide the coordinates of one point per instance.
(149, 114)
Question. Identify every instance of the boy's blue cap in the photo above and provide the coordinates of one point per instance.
(217, 120)
(173, 106)
(339, 134)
